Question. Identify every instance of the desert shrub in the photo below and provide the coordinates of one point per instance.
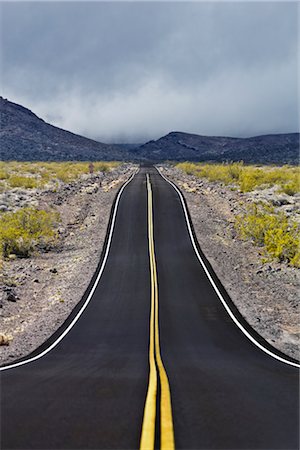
(3, 174)
(21, 181)
(256, 221)
(44, 176)
(282, 244)
(25, 230)
(247, 178)
(235, 170)
(37, 174)
(250, 179)
(63, 176)
(226, 173)
(295, 261)
(270, 230)
(214, 172)
(188, 168)
(290, 188)
(5, 339)
(71, 171)
(103, 166)
(260, 223)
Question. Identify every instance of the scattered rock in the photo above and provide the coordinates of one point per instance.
(91, 189)
(11, 297)
(279, 201)
(5, 339)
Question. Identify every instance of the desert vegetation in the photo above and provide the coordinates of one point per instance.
(276, 234)
(29, 175)
(273, 232)
(24, 230)
(247, 178)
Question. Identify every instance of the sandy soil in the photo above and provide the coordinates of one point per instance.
(267, 295)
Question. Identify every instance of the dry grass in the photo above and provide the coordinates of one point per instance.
(29, 175)
(5, 339)
(247, 178)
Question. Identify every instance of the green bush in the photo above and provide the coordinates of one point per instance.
(23, 231)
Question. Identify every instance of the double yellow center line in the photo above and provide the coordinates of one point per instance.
(155, 362)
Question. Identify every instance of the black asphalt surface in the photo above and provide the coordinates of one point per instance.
(89, 391)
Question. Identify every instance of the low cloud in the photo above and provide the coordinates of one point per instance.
(131, 73)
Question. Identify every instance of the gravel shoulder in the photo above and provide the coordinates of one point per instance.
(38, 293)
(267, 295)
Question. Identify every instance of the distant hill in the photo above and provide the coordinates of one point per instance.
(269, 149)
(24, 136)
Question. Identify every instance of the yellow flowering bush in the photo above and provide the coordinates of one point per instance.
(23, 231)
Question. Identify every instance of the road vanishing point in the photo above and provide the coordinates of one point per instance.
(155, 355)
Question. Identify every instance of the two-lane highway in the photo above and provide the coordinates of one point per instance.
(151, 357)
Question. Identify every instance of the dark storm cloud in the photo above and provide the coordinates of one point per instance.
(133, 71)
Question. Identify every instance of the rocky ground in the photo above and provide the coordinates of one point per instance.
(267, 295)
(37, 294)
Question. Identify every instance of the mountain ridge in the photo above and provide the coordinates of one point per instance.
(280, 148)
(26, 137)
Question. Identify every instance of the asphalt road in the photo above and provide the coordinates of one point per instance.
(89, 391)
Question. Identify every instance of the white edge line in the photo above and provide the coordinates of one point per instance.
(55, 343)
(251, 338)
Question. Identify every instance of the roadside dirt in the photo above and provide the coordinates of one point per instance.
(38, 294)
(267, 295)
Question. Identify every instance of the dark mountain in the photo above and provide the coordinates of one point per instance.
(269, 149)
(129, 147)
(24, 136)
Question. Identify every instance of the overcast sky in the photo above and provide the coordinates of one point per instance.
(130, 72)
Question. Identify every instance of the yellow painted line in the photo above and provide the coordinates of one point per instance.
(148, 428)
(166, 419)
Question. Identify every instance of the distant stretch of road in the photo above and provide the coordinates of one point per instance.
(155, 355)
